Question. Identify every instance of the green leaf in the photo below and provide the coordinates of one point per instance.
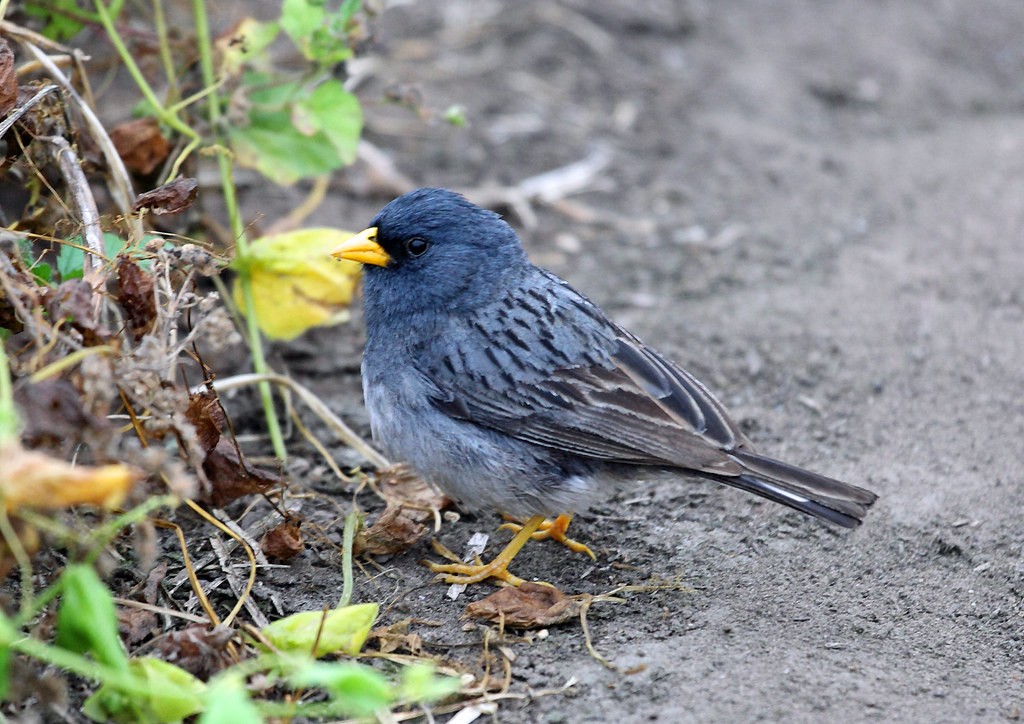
(456, 116)
(301, 18)
(60, 17)
(8, 634)
(248, 45)
(71, 259)
(41, 270)
(86, 619)
(348, 10)
(267, 94)
(332, 109)
(318, 34)
(420, 683)
(227, 700)
(357, 689)
(173, 694)
(343, 629)
(274, 147)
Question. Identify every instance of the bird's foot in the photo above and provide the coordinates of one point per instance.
(553, 529)
(466, 573)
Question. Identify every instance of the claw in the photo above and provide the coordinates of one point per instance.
(466, 573)
(555, 530)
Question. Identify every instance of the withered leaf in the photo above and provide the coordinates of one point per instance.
(283, 541)
(397, 529)
(140, 144)
(207, 417)
(153, 582)
(8, 80)
(135, 295)
(531, 605)
(171, 198)
(411, 502)
(52, 413)
(400, 485)
(396, 637)
(200, 650)
(137, 624)
(32, 479)
(73, 300)
(231, 478)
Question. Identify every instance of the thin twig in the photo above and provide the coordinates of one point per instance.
(347, 435)
(352, 521)
(88, 212)
(24, 35)
(24, 108)
(548, 187)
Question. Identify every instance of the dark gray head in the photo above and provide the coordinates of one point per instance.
(432, 250)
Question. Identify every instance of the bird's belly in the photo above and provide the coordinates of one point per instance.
(478, 467)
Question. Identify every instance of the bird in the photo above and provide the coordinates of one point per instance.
(512, 392)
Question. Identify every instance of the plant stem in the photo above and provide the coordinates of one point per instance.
(352, 521)
(102, 536)
(20, 555)
(161, 111)
(8, 412)
(84, 667)
(259, 361)
(160, 25)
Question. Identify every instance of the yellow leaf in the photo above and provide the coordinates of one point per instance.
(296, 284)
(30, 479)
(341, 629)
(244, 45)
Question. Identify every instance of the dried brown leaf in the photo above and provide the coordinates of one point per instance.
(171, 198)
(198, 649)
(8, 80)
(135, 295)
(52, 413)
(411, 504)
(151, 589)
(73, 300)
(231, 478)
(397, 529)
(530, 605)
(140, 144)
(207, 417)
(400, 485)
(137, 624)
(396, 638)
(284, 541)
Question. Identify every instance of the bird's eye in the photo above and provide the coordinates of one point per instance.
(417, 246)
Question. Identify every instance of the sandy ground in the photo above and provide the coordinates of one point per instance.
(818, 208)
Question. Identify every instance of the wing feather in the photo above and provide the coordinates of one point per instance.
(576, 382)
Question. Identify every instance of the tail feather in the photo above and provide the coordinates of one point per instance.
(823, 497)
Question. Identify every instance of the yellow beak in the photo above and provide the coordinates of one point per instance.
(363, 248)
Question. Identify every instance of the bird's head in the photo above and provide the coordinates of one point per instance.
(431, 249)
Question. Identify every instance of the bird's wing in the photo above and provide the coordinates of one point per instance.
(550, 369)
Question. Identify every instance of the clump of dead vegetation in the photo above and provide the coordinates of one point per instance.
(114, 314)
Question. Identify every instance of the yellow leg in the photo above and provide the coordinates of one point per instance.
(555, 530)
(498, 568)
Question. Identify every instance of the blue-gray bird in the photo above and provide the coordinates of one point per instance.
(512, 392)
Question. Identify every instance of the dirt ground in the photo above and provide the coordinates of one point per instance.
(817, 208)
